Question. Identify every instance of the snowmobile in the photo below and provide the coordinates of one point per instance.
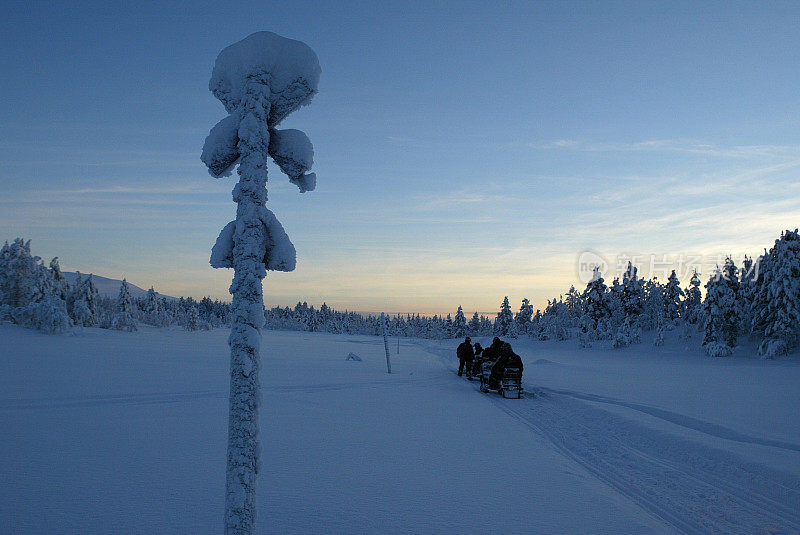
(510, 384)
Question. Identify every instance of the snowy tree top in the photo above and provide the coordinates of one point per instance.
(291, 68)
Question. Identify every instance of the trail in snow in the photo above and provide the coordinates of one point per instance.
(693, 487)
(682, 420)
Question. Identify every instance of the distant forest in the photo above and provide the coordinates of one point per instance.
(759, 299)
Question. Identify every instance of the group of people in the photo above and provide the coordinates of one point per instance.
(499, 353)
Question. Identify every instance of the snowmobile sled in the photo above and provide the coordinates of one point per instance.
(509, 385)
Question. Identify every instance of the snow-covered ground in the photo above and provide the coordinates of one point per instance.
(112, 432)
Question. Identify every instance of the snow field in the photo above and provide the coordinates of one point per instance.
(116, 432)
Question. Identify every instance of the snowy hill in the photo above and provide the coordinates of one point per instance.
(126, 432)
(110, 287)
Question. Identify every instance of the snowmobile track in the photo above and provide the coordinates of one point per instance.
(692, 487)
(682, 420)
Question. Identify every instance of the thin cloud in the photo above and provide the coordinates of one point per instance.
(670, 145)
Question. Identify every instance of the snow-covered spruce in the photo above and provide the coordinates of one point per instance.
(746, 295)
(555, 323)
(692, 303)
(523, 318)
(17, 272)
(46, 309)
(193, 322)
(721, 322)
(84, 302)
(32, 294)
(60, 281)
(632, 303)
(153, 312)
(632, 292)
(673, 298)
(504, 320)
(596, 307)
(459, 323)
(776, 306)
(653, 305)
(474, 325)
(124, 319)
(260, 80)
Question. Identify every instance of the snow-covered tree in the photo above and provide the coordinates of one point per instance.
(123, 319)
(260, 80)
(692, 304)
(62, 286)
(673, 298)
(153, 309)
(447, 328)
(632, 293)
(31, 293)
(459, 324)
(19, 272)
(777, 301)
(595, 299)
(555, 321)
(653, 304)
(614, 301)
(474, 326)
(84, 302)
(42, 284)
(658, 340)
(45, 309)
(631, 305)
(721, 321)
(502, 324)
(658, 308)
(72, 295)
(522, 319)
(574, 302)
(626, 333)
(193, 320)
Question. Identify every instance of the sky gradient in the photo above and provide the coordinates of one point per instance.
(463, 151)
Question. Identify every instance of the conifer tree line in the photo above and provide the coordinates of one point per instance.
(759, 300)
(303, 317)
(38, 296)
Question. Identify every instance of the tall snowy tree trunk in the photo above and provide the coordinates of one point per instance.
(250, 244)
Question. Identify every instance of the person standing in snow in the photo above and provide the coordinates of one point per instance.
(476, 366)
(465, 355)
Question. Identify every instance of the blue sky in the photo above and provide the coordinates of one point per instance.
(464, 151)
